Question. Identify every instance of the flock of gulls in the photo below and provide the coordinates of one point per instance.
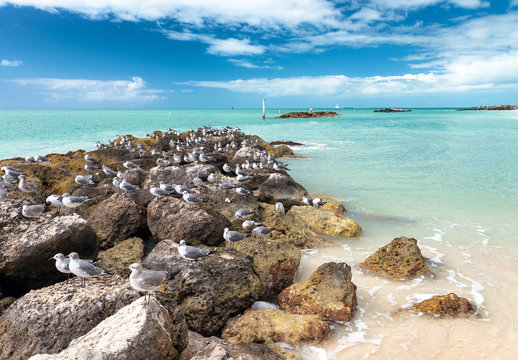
(193, 149)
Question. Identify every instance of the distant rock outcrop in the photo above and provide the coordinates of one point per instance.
(494, 107)
(389, 110)
(307, 114)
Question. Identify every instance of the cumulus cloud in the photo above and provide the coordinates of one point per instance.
(5, 62)
(92, 90)
(250, 65)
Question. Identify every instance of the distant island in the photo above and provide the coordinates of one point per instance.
(308, 114)
(495, 107)
(392, 110)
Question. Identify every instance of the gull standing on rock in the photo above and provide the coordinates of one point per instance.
(250, 224)
(198, 182)
(227, 168)
(317, 202)
(91, 159)
(279, 207)
(190, 198)
(56, 201)
(108, 171)
(233, 236)
(32, 211)
(130, 165)
(11, 171)
(126, 186)
(41, 158)
(73, 201)
(90, 167)
(84, 180)
(26, 186)
(83, 268)
(63, 263)
(158, 191)
(262, 231)
(242, 191)
(241, 213)
(146, 280)
(191, 252)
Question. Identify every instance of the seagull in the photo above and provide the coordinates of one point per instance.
(55, 200)
(130, 165)
(146, 280)
(116, 181)
(30, 159)
(279, 207)
(250, 224)
(91, 159)
(318, 202)
(126, 186)
(306, 200)
(211, 178)
(278, 166)
(227, 168)
(180, 189)
(11, 172)
(190, 198)
(158, 191)
(63, 263)
(167, 187)
(243, 178)
(32, 211)
(84, 180)
(198, 182)
(25, 185)
(90, 167)
(241, 213)
(226, 185)
(83, 268)
(242, 191)
(190, 252)
(233, 236)
(109, 171)
(41, 159)
(73, 201)
(262, 231)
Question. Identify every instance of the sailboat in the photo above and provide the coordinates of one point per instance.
(337, 107)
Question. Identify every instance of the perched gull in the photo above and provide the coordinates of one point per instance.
(30, 159)
(226, 185)
(109, 171)
(158, 191)
(126, 186)
(90, 167)
(83, 268)
(198, 182)
(279, 207)
(242, 191)
(190, 252)
(73, 201)
(318, 202)
(307, 201)
(211, 178)
(146, 280)
(32, 211)
(233, 236)
(116, 181)
(91, 159)
(55, 200)
(241, 213)
(10, 171)
(130, 165)
(180, 189)
(62, 263)
(250, 224)
(243, 178)
(41, 159)
(262, 231)
(25, 185)
(167, 187)
(84, 180)
(190, 198)
(227, 168)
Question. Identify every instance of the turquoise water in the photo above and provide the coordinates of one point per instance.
(436, 174)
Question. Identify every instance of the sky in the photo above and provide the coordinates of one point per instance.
(233, 53)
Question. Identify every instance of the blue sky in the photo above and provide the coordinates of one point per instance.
(294, 53)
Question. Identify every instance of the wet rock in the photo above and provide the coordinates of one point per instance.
(400, 259)
(275, 263)
(282, 150)
(213, 348)
(210, 290)
(280, 188)
(148, 333)
(46, 320)
(267, 325)
(26, 246)
(325, 221)
(122, 255)
(171, 218)
(328, 293)
(444, 305)
(116, 219)
(334, 206)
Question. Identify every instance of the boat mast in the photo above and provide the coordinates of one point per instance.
(264, 107)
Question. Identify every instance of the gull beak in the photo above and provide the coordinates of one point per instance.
(51, 258)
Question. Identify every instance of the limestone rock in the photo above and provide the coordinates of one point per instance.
(444, 305)
(328, 292)
(179, 175)
(269, 325)
(281, 150)
(334, 206)
(171, 218)
(116, 219)
(213, 348)
(280, 188)
(325, 221)
(400, 259)
(147, 334)
(122, 255)
(210, 290)
(5, 303)
(46, 320)
(26, 246)
(243, 154)
(275, 263)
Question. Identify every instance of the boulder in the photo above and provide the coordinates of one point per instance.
(444, 305)
(116, 219)
(180, 175)
(272, 325)
(96, 195)
(26, 246)
(275, 263)
(281, 150)
(210, 290)
(213, 348)
(148, 333)
(328, 292)
(325, 221)
(122, 255)
(243, 154)
(334, 206)
(171, 218)
(46, 320)
(216, 200)
(280, 188)
(400, 259)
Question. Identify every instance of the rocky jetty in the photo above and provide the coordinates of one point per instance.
(494, 107)
(308, 114)
(400, 259)
(391, 110)
(444, 305)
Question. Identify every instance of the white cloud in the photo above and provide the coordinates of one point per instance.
(92, 90)
(250, 65)
(5, 62)
(231, 47)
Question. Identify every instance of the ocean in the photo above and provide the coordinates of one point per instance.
(447, 178)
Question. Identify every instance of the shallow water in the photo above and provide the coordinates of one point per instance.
(447, 178)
